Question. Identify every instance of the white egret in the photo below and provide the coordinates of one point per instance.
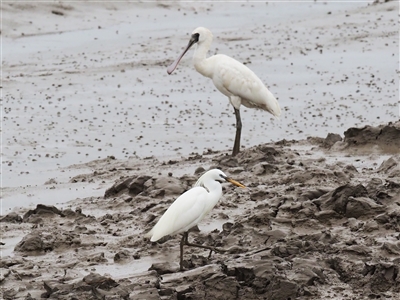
(190, 208)
(231, 78)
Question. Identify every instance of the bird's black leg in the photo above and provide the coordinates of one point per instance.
(183, 240)
(236, 146)
(202, 246)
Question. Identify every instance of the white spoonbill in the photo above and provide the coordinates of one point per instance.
(190, 208)
(231, 78)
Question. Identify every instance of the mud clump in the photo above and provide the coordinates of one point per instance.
(381, 136)
(331, 139)
(41, 210)
(12, 217)
(91, 286)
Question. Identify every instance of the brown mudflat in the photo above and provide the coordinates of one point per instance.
(314, 222)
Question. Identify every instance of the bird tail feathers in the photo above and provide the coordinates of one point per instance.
(149, 234)
(274, 108)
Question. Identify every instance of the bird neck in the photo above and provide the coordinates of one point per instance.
(200, 61)
(214, 189)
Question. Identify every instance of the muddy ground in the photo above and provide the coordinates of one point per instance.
(319, 219)
(98, 140)
(83, 81)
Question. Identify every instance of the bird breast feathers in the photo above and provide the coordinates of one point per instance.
(185, 211)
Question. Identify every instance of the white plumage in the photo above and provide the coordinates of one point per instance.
(190, 208)
(231, 78)
(186, 211)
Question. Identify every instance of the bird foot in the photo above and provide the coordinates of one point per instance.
(181, 268)
(217, 250)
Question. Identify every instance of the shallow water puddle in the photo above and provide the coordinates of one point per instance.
(8, 248)
(359, 159)
(117, 270)
(45, 195)
(214, 224)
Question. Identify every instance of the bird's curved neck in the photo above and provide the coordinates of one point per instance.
(214, 188)
(200, 60)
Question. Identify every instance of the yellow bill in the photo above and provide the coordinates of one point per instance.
(235, 182)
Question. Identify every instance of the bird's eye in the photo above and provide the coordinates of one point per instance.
(195, 37)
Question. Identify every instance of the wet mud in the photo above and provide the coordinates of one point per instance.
(99, 140)
(304, 228)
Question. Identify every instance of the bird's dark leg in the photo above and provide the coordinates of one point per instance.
(236, 146)
(202, 246)
(184, 238)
